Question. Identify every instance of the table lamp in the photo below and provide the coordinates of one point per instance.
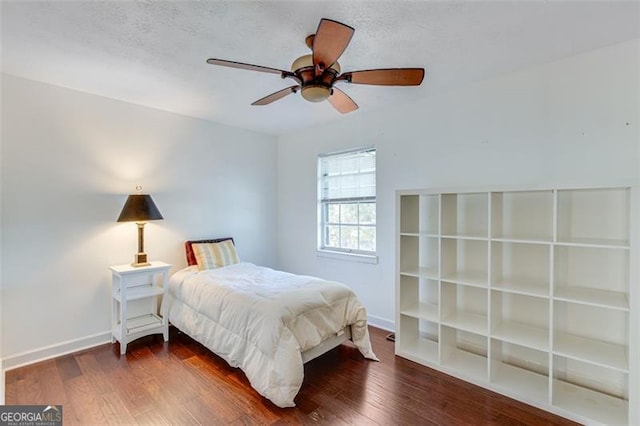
(139, 208)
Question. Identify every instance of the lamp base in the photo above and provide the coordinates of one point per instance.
(140, 259)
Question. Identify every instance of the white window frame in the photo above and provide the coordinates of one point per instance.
(324, 250)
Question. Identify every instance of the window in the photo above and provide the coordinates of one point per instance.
(347, 201)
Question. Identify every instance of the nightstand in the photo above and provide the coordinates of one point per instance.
(135, 298)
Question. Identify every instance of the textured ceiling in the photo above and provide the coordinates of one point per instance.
(153, 53)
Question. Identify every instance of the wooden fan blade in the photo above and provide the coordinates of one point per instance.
(277, 95)
(329, 42)
(242, 66)
(342, 102)
(386, 77)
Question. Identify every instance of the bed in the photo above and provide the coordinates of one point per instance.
(264, 321)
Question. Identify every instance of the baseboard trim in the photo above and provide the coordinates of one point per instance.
(52, 351)
(382, 323)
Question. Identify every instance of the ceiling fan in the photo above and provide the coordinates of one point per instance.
(316, 74)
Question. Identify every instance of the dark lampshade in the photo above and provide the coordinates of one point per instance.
(140, 208)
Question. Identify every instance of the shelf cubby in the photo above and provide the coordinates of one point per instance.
(464, 261)
(428, 255)
(410, 214)
(465, 215)
(418, 340)
(598, 352)
(597, 217)
(429, 214)
(419, 298)
(520, 267)
(409, 254)
(465, 352)
(420, 214)
(520, 369)
(522, 320)
(522, 215)
(419, 256)
(592, 275)
(464, 307)
(594, 392)
(595, 335)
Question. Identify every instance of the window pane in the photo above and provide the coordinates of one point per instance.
(332, 236)
(349, 213)
(349, 237)
(368, 213)
(333, 213)
(367, 238)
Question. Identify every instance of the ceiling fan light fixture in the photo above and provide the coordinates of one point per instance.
(315, 93)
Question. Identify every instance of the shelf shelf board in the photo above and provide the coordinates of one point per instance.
(609, 355)
(425, 311)
(467, 321)
(590, 404)
(524, 286)
(466, 237)
(523, 335)
(137, 325)
(529, 385)
(593, 297)
(475, 279)
(140, 292)
(143, 323)
(429, 273)
(410, 234)
(420, 234)
(594, 243)
(522, 240)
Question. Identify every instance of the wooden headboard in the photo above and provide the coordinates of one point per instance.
(191, 258)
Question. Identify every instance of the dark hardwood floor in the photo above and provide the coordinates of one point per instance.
(181, 382)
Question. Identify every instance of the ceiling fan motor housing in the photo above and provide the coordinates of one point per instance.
(314, 88)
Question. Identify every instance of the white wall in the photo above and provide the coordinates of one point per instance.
(68, 161)
(562, 123)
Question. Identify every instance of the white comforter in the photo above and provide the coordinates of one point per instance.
(261, 320)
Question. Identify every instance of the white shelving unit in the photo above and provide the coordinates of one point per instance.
(532, 293)
(135, 302)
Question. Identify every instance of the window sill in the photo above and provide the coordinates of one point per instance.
(352, 257)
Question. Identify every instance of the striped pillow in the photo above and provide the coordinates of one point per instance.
(215, 255)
